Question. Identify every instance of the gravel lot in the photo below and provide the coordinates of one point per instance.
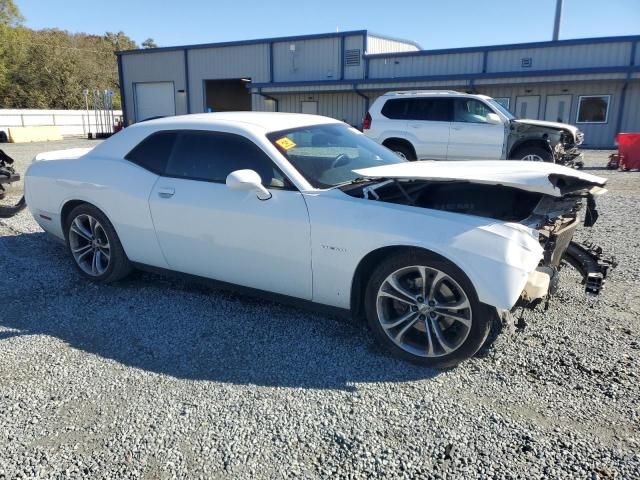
(158, 378)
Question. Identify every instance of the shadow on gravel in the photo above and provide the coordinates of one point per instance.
(185, 330)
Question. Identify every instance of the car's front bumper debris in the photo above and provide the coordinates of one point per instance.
(593, 265)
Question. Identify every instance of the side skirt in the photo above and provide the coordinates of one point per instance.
(307, 305)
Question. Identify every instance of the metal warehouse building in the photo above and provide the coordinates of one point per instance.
(593, 83)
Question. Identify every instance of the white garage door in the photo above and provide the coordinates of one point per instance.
(154, 99)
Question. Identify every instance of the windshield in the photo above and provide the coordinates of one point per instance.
(503, 110)
(327, 155)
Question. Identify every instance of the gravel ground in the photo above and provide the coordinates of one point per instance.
(158, 378)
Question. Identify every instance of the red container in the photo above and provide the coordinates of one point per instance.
(629, 150)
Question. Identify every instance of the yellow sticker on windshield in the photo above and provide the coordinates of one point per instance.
(285, 143)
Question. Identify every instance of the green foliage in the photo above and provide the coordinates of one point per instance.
(10, 14)
(149, 43)
(51, 68)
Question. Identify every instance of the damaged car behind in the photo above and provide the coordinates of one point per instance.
(305, 207)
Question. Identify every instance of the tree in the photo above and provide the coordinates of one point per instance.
(149, 43)
(10, 13)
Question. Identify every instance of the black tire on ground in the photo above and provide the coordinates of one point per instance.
(402, 150)
(119, 265)
(539, 152)
(482, 315)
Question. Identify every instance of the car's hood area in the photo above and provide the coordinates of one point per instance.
(544, 123)
(540, 177)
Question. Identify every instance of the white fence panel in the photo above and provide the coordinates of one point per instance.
(69, 122)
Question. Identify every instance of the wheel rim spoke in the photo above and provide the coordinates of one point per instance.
(435, 326)
(435, 282)
(458, 318)
(399, 321)
(78, 229)
(427, 329)
(400, 291)
(398, 337)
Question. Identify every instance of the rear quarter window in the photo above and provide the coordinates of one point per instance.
(153, 152)
(395, 109)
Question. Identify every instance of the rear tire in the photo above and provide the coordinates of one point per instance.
(403, 151)
(94, 245)
(533, 154)
(424, 309)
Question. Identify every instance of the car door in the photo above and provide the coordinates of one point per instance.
(428, 126)
(472, 136)
(207, 229)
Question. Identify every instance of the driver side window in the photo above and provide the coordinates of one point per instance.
(212, 156)
(470, 110)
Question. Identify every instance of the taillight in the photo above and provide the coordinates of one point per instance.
(366, 121)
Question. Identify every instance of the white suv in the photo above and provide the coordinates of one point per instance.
(448, 125)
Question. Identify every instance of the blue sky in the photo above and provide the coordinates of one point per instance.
(433, 24)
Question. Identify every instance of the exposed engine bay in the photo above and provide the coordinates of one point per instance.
(555, 218)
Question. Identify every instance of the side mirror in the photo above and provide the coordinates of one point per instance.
(248, 180)
(493, 119)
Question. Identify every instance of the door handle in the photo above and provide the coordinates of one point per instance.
(166, 192)
(456, 128)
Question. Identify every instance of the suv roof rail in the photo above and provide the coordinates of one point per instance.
(430, 92)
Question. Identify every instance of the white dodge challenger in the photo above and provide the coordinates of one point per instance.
(309, 208)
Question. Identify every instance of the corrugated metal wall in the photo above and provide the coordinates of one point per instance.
(631, 116)
(423, 65)
(572, 56)
(357, 43)
(246, 61)
(305, 60)
(347, 107)
(377, 44)
(154, 67)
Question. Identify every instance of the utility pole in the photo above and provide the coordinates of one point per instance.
(556, 23)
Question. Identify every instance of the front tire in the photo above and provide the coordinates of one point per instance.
(94, 245)
(424, 309)
(533, 154)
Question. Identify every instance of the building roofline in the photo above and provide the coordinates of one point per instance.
(237, 43)
(395, 39)
(510, 46)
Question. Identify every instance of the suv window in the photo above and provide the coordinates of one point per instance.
(470, 110)
(395, 109)
(153, 152)
(212, 156)
(431, 109)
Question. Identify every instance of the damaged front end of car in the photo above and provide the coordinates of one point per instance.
(553, 212)
(562, 141)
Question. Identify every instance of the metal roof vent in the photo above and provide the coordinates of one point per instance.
(352, 57)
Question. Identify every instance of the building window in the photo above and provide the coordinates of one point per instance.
(504, 101)
(593, 108)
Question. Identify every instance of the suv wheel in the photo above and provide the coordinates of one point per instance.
(403, 151)
(533, 154)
